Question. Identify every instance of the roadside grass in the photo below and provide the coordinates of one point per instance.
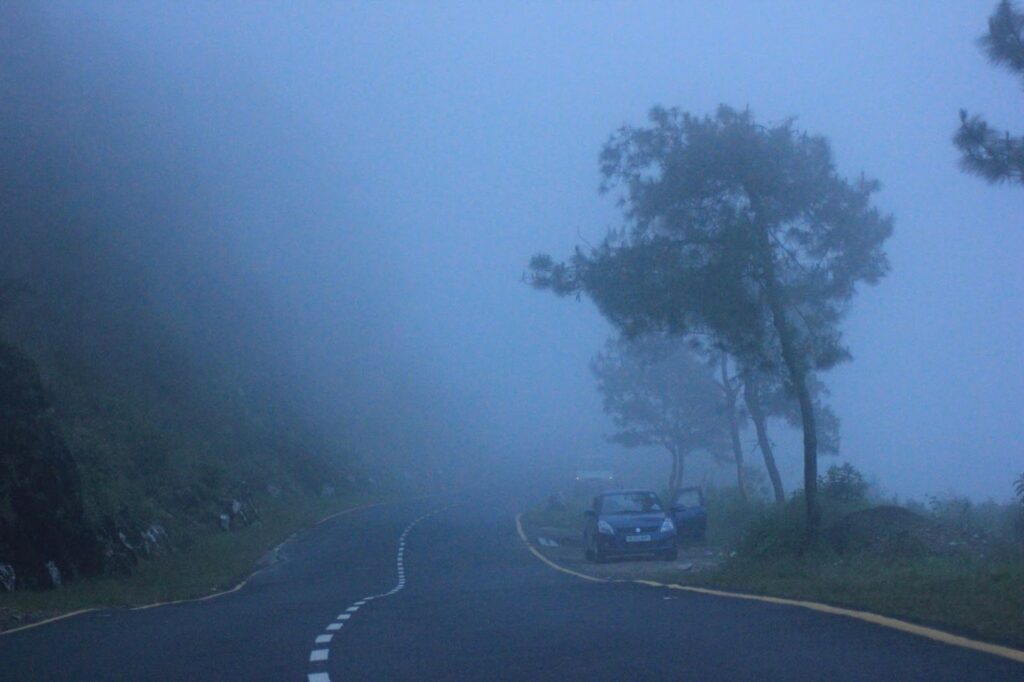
(569, 519)
(202, 564)
(975, 594)
(979, 597)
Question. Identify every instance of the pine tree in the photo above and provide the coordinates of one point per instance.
(740, 236)
(994, 155)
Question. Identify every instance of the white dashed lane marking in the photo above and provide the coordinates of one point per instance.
(319, 655)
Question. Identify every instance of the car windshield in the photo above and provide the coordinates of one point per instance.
(688, 498)
(630, 503)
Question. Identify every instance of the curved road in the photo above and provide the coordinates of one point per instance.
(445, 590)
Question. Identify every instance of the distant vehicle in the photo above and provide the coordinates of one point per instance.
(689, 515)
(593, 481)
(628, 523)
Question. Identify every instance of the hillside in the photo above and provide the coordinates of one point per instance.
(148, 392)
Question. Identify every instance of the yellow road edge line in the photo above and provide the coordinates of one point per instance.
(549, 562)
(48, 620)
(236, 588)
(866, 616)
(874, 618)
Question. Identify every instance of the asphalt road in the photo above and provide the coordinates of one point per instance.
(458, 597)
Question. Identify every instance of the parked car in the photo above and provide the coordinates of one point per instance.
(628, 523)
(689, 515)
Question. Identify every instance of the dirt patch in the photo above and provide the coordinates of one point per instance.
(567, 550)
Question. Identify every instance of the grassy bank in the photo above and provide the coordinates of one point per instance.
(977, 590)
(976, 597)
(202, 564)
(569, 519)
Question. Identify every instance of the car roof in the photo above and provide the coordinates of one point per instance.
(629, 491)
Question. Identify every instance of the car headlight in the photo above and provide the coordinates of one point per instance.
(605, 527)
(667, 526)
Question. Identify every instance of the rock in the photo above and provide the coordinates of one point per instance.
(686, 567)
(327, 490)
(54, 572)
(225, 522)
(155, 539)
(7, 577)
(42, 518)
(273, 490)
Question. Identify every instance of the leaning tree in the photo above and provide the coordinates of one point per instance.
(740, 235)
(769, 396)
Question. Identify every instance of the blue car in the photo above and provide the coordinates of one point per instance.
(625, 523)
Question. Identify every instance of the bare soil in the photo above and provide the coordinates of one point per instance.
(693, 558)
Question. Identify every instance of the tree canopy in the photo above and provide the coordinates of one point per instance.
(738, 235)
(658, 393)
(996, 155)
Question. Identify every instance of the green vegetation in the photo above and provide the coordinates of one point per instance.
(659, 394)
(995, 155)
(151, 384)
(203, 563)
(568, 518)
(982, 597)
(948, 563)
(739, 238)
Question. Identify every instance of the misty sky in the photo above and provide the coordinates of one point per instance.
(387, 170)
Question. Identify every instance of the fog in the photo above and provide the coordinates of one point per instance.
(383, 172)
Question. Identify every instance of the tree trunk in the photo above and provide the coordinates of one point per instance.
(675, 469)
(734, 428)
(798, 378)
(752, 398)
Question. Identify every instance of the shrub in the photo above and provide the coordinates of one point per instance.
(728, 514)
(954, 510)
(779, 531)
(843, 483)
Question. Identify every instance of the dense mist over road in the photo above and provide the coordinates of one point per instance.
(346, 197)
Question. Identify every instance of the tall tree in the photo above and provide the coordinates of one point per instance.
(658, 393)
(996, 155)
(752, 398)
(738, 232)
(731, 388)
(767, 397)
